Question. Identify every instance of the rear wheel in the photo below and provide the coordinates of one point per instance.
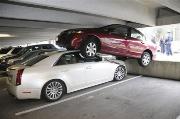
(53, 90)
(120, 73)
(89, 48)
(145, 59)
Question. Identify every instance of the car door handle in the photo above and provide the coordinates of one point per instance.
(89, 67)
(142, 42)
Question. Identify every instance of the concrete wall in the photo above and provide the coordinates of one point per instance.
(168, 20)
(161, 69)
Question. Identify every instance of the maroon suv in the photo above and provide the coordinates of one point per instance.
(118, 40)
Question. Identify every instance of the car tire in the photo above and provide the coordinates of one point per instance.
(120, 73)
(89, 48)
(145, 59)
(53, 90)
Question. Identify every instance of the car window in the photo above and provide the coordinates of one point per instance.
(33, 54)
(67, 59)
(70, 58)
(5, 50)
(46, 47)
(16, 50)
(34, 60)
(121, 31)
(116, 30)
(26, 54)
(135, 34)
(36, 48)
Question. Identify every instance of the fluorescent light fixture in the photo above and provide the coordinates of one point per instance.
(5, 35)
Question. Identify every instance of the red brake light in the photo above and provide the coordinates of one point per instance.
(19, 76)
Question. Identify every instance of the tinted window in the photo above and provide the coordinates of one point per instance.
(5, 50)
(122, 31)
(36, 48)
(32, 54)
(22, 51)
(34, 60)
(16, 50)
(47, 47)
(137, 35)
(70, 58)
(117, 30)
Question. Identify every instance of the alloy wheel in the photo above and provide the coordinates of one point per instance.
(146, 59)
(120, 73)
(91, 49)
(54, 90)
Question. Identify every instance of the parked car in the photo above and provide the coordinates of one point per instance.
(9, 51)
(28, 55)
(64, 72)
(118, 40)
(25, 57)
(5, 59)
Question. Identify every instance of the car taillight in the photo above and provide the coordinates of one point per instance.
(19, 76)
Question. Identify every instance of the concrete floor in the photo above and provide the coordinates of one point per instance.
(139, 98)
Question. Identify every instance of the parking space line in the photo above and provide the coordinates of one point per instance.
(71, 98)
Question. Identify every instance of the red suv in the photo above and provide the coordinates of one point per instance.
(118, 40)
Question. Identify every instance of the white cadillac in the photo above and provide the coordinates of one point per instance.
(51, 76)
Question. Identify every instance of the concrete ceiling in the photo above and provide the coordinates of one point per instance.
(38, 20)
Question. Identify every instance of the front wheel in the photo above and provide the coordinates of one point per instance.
(89, 48)
(120, 73)
(53, 90)
(145, 59)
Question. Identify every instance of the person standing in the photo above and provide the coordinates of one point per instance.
(168, 43)
(162, 45)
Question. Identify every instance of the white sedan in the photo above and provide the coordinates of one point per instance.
(51, 76)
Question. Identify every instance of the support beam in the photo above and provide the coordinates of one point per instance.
(128, 10)
(41, 14)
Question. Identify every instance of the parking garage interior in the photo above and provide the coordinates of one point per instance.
(150, 92)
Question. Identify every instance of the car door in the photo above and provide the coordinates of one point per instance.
(115, 41)
(72, 70)
(97, 72)
(135, 44)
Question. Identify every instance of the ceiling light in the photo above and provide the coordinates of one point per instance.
(5, 35)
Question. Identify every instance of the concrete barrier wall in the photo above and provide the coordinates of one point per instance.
(161, 69)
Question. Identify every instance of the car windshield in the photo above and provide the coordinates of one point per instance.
(24, 50)
(16, 50)
(27, 54)
(34, 60)
(5, 50)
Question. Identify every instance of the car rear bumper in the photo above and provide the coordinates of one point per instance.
(23, 93)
